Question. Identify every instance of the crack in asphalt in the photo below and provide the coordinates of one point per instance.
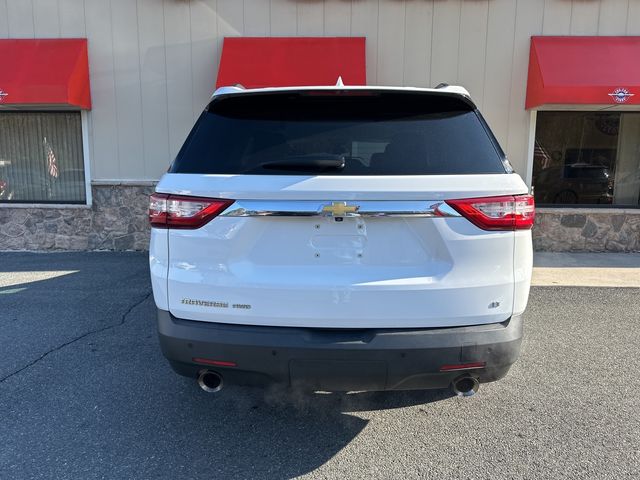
(86, 334)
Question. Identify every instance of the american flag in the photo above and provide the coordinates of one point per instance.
(52, 163)
(541, 156)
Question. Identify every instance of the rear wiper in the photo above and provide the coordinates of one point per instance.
(307, 163)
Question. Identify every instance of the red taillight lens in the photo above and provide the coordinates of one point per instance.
(507, 212)
(178, 211)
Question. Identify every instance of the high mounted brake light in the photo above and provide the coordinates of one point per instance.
(339, 93)
(179, 211)
(508, 212)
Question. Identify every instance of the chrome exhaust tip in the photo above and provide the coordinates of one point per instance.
(209, 381)
(465, 386)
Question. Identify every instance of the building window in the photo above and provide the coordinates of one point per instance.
(587, 158)
(41, 159)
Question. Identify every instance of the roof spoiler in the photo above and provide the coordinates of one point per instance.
(453, 89)
(444, 88)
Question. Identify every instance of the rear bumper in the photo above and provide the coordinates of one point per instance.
(339, 360)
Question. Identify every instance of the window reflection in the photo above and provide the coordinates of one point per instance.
(587, 158)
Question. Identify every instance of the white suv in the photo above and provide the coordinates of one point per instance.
(341, 238)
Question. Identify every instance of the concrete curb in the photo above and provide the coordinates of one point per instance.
(586, 269)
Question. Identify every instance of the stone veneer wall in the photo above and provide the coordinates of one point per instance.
(587, 230)
(117, 220)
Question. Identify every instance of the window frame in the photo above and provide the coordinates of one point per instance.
(84, 127)
(566, 207)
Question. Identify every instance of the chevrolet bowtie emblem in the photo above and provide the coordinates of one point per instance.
(339, 209)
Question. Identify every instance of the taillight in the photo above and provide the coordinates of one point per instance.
(508, 212)
(179, 211)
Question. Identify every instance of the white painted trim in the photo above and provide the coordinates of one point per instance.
(533, 115)
(84, 116)
(127, 183)
(569, 107)
(588, 211)
(65, 206)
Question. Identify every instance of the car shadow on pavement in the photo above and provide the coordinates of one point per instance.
(356, 401)
(86, 393)
(271, 433)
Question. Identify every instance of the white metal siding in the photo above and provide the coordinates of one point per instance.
(528, 22)
(154, 62)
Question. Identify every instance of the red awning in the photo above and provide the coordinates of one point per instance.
(292, 61)
(45, 72)
(584, 70)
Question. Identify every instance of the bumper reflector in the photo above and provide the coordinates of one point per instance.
(217, 363)
(462, 366)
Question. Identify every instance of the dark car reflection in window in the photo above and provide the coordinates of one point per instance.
(577, 183)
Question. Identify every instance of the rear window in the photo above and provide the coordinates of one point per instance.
(329, 133)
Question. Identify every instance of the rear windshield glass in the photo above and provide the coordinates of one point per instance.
(324, 133)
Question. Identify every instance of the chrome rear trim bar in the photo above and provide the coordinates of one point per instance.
(364, 208)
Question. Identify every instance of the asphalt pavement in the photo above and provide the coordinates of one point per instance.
(85, 393)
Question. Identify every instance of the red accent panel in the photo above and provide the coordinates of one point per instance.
(258, 62)
(583, 70)
(45, 72)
